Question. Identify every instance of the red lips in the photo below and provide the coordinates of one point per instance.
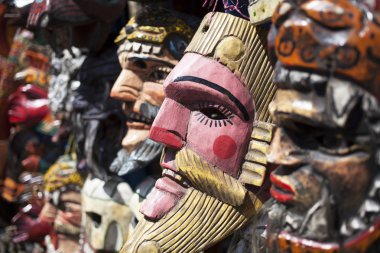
(280, 190)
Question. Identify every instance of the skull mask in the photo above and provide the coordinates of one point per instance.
(106, 215)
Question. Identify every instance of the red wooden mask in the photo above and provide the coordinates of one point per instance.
(28, 105)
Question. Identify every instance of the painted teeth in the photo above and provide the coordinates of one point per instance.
(139, 118)
(176, 176)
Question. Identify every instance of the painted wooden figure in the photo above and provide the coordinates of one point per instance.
(214, 123)
(326, 189)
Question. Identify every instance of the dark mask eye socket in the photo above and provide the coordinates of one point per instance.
(177, 46)
(139, 64)
(321, 139)
(331, 141)
(337, 144)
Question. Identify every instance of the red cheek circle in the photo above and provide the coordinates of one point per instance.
(224, 147)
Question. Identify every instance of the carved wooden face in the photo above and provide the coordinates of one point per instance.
(205, 122)
(329, 37)
(63, 207)
(65, 215)
(314, 154)
(207, 110)
(325, 172)
(28, 105)
(154, 41)
(140, 87)
(324, 143)
(213, 111)
(106, 218)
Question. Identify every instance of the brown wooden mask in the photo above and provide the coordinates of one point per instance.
(327, 108)
(153, 44)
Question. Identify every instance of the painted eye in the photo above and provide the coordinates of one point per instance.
(213, 113)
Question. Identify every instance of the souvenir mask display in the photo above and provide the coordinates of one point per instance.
(326, 189)
(154, 41)
(63, 203)
(32, 149)
(23, 145)
(8, 67)
(110, 209)
(214, 124)
(99, 126)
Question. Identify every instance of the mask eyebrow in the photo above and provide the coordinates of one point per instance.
(217, 88)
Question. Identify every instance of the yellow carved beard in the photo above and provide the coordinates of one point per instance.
(199, 220)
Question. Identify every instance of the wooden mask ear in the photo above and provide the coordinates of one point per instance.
(254, 168)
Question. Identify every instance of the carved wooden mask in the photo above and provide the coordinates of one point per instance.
(326, 188)
(28, 105)
(213, 98)
(153, 44)
(63, 203)
(106, 215)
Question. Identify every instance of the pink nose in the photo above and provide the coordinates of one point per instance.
(164, 136)
(170, 125)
